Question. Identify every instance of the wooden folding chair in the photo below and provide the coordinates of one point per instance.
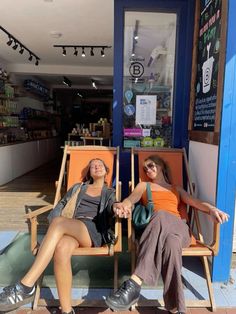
(75, 159)
(178, 165)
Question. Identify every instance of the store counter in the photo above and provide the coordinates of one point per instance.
(20, 158)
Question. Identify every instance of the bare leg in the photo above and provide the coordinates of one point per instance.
(59, 227)
(63, 271)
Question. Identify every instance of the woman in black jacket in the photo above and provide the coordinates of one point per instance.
(89, 227)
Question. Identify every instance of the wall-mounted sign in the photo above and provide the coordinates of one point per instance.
(208, 70)
(207, 66)
(37, 88)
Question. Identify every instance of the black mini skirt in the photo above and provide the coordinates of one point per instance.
(95, 236)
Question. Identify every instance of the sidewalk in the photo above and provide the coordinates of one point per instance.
(139, 311)
(37, 188)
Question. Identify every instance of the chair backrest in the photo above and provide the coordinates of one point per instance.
(75, 162)
(174, 158)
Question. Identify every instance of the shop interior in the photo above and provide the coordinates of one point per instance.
(60, 85)
(57, 87)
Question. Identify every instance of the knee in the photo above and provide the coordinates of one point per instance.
(56, 223)
(62, 253)
(172, 244)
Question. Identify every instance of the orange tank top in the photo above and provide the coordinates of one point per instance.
(164, 200)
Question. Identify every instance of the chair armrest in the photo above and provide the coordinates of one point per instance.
(118, 235)
(214, 246)
(38, 212)
(216, 239)
(32, 216)
(119, 190)
(118, 226)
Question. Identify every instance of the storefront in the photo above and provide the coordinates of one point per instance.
(173, 87)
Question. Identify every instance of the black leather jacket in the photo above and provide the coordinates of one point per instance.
(104, 218)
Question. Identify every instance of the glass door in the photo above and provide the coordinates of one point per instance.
(148, 79)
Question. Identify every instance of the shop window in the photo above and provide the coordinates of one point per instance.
(148, 81)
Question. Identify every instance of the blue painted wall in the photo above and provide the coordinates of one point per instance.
(226, 185)
(185, 22)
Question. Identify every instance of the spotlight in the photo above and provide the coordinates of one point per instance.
(76, 52)
(22, 47)
(9, 41)
(66, 81)
(91, 49)
(133, 54)
(15, 46)
(93, 84)
(83, 53)
(136, 37)
(21, 50)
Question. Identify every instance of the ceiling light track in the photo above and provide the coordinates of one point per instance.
(83, 48)
(17, 43)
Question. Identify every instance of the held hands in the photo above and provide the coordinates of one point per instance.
(122, 210)
(218, 215)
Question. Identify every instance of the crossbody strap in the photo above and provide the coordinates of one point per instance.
(70, 207)
(149, 193)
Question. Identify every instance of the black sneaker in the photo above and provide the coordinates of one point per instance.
(14, 296)
(71, 312)
(124, 297)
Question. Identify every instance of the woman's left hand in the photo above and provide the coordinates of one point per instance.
(121, 210)
(218, 215)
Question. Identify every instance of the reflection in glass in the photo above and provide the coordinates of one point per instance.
(149, 61)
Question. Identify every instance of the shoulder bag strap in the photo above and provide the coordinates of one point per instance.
(149, 193)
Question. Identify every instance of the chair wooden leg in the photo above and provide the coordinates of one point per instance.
(133, 260)
(37, 292)
(115, 271)
(209, 283)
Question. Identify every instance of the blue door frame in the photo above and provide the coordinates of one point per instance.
(226, 185)
(185, 22)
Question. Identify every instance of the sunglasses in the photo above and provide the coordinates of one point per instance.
(150, 165)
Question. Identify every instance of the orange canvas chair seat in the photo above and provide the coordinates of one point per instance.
(75, 159)
(176, 160)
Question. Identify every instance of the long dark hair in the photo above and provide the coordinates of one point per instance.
(87, 176)
(164, 167)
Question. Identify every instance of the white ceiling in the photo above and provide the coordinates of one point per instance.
(81, 22)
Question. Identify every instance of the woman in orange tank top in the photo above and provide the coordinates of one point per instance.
(161, 243)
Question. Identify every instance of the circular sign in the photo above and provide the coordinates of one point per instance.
(136, 69)
(129, 110)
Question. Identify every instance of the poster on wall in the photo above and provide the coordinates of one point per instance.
(208, 50)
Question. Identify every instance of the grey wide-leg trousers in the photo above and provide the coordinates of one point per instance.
(160, 252)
